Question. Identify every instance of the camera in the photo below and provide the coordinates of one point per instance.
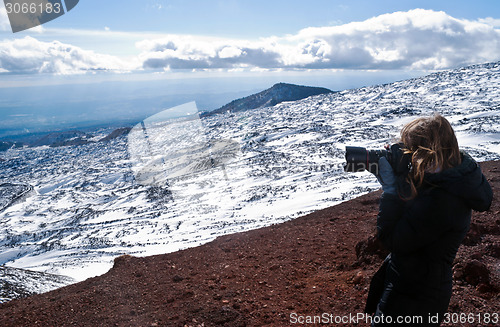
(359, 159)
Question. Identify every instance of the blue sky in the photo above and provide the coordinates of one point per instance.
(257, 18)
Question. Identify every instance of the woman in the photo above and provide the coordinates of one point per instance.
(424, 230)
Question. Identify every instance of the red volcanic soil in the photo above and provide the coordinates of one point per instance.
(273, 276)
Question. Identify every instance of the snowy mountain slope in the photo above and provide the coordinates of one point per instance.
(16, 283)
(62, 139)
(92, 204)
(11, 193)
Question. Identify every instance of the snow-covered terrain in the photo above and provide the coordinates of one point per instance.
(16, 283)
(170, 186)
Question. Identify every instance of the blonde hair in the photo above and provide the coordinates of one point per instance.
(433, 147)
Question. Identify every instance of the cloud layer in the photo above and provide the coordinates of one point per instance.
(417, 39)
(28, 55)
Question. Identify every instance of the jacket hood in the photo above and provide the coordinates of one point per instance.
(465, 181)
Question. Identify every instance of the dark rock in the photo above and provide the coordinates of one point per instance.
(177, 279)
(484, 288)
(474, 235)
(476, 255)
(122, 260)
(225, 315)
(476, 272)
(368, 248)
(458, 272)
(493, 250)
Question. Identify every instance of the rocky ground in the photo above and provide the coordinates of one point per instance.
(273, 276)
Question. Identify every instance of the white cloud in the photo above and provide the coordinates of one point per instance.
(490, 21)
(417, 39)
(28, 55)
(229, 52)
(192, 52)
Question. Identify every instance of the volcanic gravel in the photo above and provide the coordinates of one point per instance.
(314, 265)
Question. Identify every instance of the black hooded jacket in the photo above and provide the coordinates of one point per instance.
(424, 235)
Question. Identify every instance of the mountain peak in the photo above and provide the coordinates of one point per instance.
(279, 92)
(282, 84)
